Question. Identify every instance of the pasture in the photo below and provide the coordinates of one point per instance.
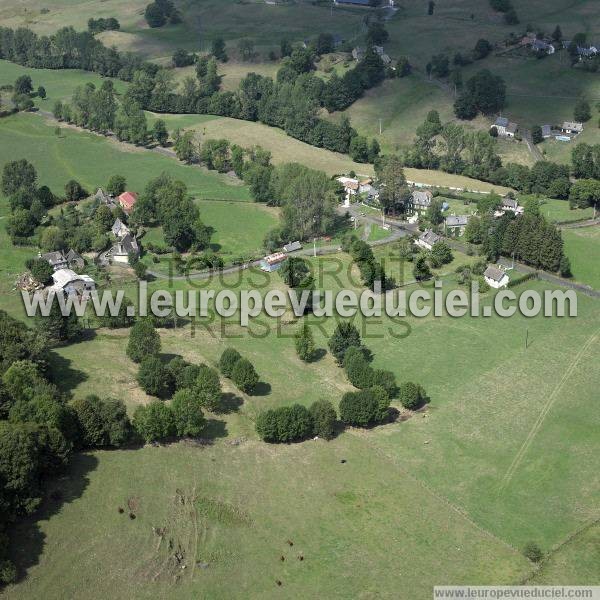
(581, 245)
(397, 490)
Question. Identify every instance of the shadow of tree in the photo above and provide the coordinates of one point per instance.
(230, 403)
(261, 389)
(69, 378)
(27, 539)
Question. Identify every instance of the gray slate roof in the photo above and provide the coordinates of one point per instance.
(292, 247)
(54, 258)
(501, 122)
(494, 273)
(457, 221)
(429, 237)
(422, 198)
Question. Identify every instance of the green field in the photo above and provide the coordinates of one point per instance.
(581, 246)
(92, 159)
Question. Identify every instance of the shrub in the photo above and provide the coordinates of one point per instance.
(359, 408)
(284, 424)
(187, 414)
(154, 422)
(143, 341)
(359, 372)
(323, 416)
(244, 375)
(304, 342)
(344, 336)
(533, 552)
(154, 377)
(411, 395)
(207, 388)
(228, 360)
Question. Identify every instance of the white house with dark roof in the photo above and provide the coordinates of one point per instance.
(427, 239)
(119, 229)
(572, 127)
(505, 127)
(56, 260)
(495, 277)
(71, 283)
(455, 225)
(542, 46)
(421, 200)
(123, 249)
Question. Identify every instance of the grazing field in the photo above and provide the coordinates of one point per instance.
(582, 245)
(92, 159)
(59, 84)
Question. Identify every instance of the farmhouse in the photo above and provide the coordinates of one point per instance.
(123, 249)
(427, 239)
(546, 131)
(542, 46)
(571, 127)
(421, 200)
(495, 277)
(505, 128)
(272, 262)
(127, 201)
(103, 197)
(292, 247)
(71, 283)
(57, 259)
(60, 260)
(455, 225)
(351, 187)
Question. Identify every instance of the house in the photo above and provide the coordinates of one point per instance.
(292, 247)
(127, 201)
(421, 200)
(386, 60)
(272, 262)
(455, 225)
(586, 52)
(571, 127)
(546, 131)
(119, 229)
(505, 128)
(495, 277)
(71, 283)
(372, 193)
(74, 260)
(509, 205)
(351, 187)
(427, 239)
(57, 259)
(123, 249)
(103, 197)
(542, 46)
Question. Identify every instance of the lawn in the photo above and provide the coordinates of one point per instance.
(582, 246)
(59, 83)
(92, 159)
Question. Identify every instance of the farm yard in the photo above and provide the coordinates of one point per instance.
(490, 476)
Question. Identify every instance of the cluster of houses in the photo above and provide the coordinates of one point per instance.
(64, 277)
(272, 262)
(126, 246)
(564, 132)
(546, 45)
(126, 200)
(358, 187)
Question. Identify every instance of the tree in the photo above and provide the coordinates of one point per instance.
(344, 336)
(56, 326)
(74, 191)
(154, 15)
(285, 48)
(284, 424)
(582, 111)
(218, 49)
(377, 35)
(294, 270)
(482, 49)
(411, 395)
(117, 184)
(41, 270)
(533, 552)
(144, 341)
(160, 133)
(154, 422)
(244, 376)
(154, 377)
(304, 342)
(394, 192)
(246, 49)
(359, 372)
(102, 423)
(228, 360)
(140, 269)
(484, 92)
(441, 254)
(430, 7)
(536, 134)
(185, 147)
(421, 270)
(23, 85)
(323, 417)
(359, 409)
(187, 413)
(41, 92)
(207, 388)
(17, 175)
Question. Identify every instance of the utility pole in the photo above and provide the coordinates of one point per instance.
(526, 337)
(315, 247)
(380, 126)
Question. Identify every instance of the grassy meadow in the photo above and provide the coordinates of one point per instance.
(581, 246)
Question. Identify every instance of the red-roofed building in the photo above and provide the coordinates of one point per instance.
(127, 201)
